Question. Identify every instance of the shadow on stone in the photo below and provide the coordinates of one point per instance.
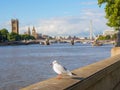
(78, 78)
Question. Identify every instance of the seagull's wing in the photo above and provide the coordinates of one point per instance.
(65, 70)
(58, 68)
(61, 68)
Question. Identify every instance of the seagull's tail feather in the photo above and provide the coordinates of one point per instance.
(74, 74)
(71, 74)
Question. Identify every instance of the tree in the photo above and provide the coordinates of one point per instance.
(114, 37)
(101, 37)
(14, 37)
(112, 9)
(3, 34)
(27, 37)
(107, 37)
(0, 37)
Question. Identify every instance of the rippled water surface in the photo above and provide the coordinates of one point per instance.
(24, 65)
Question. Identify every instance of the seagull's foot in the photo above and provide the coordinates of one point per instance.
(59, 76)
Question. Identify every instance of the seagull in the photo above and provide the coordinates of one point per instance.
(59, 69)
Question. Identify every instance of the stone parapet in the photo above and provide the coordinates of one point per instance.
(115, 51)
(103, 75)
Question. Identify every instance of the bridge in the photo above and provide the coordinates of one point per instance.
(71, 41)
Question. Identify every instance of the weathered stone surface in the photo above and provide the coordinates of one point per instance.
(103, 75)
(115, 51)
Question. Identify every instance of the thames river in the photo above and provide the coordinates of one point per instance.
(27, 64)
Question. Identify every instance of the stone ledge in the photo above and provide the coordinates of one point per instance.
(86, 76)
(115, 51)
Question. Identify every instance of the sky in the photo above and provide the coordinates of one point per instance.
(54, 17)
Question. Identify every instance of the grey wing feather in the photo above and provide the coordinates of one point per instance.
(62, 69)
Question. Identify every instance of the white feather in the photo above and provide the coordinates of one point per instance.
(59, 69)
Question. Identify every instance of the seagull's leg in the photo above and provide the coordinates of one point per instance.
(59, 76)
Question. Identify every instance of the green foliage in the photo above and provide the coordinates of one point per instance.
(114, 37)
(101, 37)
(4, 31)
(6, 36)
(14, 37)
(27, 37)
(112, 10)
(107, 37)
(3, 35)
(0, 37)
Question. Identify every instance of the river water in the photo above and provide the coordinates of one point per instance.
(24, 65)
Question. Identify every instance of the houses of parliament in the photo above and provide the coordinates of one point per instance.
(15, 28)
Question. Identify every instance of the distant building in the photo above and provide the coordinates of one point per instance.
(40, 36)
(109, 32)
(29, 33)
(34, 33)
(15, 25)
(45, 36)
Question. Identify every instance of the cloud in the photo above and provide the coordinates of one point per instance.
(73, 25)
(64, 26)
(69, 25)
(59, 26)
